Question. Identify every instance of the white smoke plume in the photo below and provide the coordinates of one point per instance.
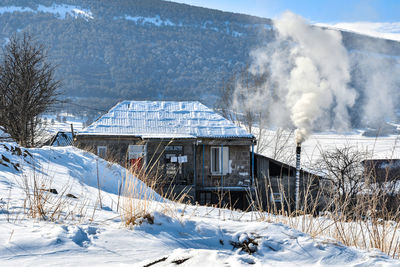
(309, 77)
(379, 78)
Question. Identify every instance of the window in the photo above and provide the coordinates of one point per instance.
(219, 161)
(102, 151)
(137, 157)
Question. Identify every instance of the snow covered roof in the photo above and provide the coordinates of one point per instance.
(164, 119)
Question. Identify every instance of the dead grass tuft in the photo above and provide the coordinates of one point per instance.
(248, 244)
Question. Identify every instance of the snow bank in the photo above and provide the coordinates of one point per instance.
(4, 135)
(66, 166)
(180, 234)
(203, 240)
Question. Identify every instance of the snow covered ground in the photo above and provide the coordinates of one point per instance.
(180, 234)
(386, 147)
(62, 122)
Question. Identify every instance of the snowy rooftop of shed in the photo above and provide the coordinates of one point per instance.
(164, 119)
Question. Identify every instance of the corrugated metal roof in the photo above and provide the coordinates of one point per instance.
(164, 119)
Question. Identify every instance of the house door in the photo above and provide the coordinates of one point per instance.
(136, 164)
(136, 157)
(173, 164)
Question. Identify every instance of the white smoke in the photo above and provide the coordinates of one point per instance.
(309, 77)
(378, 77)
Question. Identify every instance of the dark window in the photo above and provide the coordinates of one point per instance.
(215, 159)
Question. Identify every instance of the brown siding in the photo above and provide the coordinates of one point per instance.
(156, 150)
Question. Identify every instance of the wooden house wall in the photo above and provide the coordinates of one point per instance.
(156, 162)
(157, 156)
(273, 177)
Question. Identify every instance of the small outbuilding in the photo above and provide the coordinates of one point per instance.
(276, 185)
(381, 170)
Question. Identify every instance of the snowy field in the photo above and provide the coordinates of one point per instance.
(82, 233)
(387, 147)
(62, 122)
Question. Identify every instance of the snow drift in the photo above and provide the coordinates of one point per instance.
(188, 235)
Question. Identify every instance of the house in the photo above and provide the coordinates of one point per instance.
(193, 148)
(276, 184)
(381, 170)
(380, 190)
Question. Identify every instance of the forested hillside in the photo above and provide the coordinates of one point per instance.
(144, 49)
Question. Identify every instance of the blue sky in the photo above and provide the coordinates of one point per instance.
(328, 11)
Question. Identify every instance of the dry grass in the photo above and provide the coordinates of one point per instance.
(42, 201)
(144, 191)
(368, 224)
(367, 221)
(137, 201)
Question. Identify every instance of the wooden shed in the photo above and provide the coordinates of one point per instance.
(276, 184)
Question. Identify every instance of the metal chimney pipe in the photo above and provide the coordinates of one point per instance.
(298, 153)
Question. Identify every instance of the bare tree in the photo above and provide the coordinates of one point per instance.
(224, 104)
(27, 88)
(343, 172)
(231, 104)
(281, 144)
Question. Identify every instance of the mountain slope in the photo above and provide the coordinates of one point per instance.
(135, 49)
(146, 49)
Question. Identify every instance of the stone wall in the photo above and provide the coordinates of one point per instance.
(155, 160)
(116, 147)
(174, 179)
(239, 159)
